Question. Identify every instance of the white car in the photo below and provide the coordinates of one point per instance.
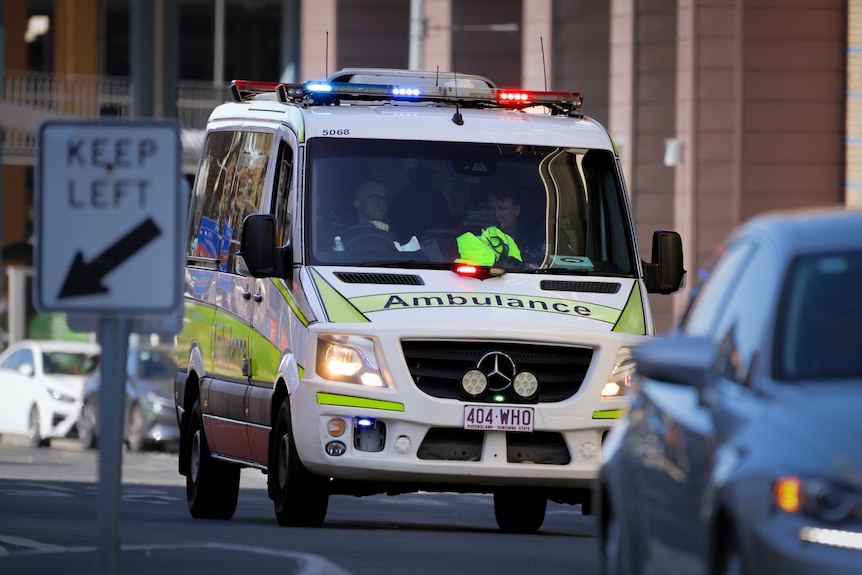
(42, 383)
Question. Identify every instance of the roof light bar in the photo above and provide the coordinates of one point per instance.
(322, 92)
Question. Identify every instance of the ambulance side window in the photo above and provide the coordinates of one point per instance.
(281, 206)
(229, 187)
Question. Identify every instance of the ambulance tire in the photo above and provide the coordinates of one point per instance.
(368, 238)
(212, 486)
(519, 510)
(300, 498)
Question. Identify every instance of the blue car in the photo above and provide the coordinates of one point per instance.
(150, 420)
(742, 449)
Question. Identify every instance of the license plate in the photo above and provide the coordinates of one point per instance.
(498, 418)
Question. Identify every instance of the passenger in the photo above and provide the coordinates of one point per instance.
(504, 209)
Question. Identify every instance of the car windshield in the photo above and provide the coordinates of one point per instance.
(820, 330)
(156, 364)
(69, 363)
(432, 204)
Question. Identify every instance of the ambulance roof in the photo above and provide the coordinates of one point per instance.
(406, 104)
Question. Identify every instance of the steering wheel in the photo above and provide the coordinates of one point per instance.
(368, 238)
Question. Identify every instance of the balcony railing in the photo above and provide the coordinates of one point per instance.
(91, 97)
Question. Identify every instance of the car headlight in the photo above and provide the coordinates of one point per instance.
(158, 400)
(825, 500)
(60, 396)
(619, 383)
(351, 359)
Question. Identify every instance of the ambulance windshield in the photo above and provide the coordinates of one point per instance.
(432, 204)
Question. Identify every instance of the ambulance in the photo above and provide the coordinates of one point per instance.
(402, 281)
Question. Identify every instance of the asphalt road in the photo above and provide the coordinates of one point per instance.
(48, 510)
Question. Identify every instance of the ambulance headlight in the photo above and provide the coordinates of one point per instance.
(350, 359)
(620, 381)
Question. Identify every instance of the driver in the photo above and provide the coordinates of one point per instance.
(371, 202)
(370, 232)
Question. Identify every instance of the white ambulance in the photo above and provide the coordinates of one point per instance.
(405, 281)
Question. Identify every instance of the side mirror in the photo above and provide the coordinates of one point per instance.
(26, 369)
(687, 361)
(258, 255)
(665, 274)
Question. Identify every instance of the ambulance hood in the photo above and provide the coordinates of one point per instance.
(441, 296)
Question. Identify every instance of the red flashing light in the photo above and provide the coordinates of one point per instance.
(525, 98)
(506, 97)
(254, 86)
(467, 270)
(245, 89)
(477, 272)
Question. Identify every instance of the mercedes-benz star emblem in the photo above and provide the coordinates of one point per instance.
(499, 368)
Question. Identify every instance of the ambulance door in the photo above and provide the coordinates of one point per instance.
(271, 313)
(242, 174)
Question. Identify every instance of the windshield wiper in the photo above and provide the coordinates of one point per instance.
(407, 264)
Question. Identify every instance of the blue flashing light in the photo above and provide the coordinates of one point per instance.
(409, 92)
(364, 423)
(318, 87)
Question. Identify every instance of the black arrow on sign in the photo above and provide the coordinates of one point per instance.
(86, 278)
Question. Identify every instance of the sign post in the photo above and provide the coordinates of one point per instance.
(110, 219)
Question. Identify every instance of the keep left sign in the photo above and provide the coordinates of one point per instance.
(109, 217)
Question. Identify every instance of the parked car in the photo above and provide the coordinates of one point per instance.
(41, 385)
(742, 449)
(150, 420)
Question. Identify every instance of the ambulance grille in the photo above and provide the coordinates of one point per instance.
(584, 287)
(450, 444)
(437, 366)
(379, 278)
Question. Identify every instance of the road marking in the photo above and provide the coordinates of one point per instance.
(38, 490)
(29, 543)
(308, 563)
(129, 494)
(150, 498)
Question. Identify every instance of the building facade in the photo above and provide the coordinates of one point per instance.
(721, 109)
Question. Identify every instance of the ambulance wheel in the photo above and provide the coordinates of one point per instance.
(300, 498)
(519, 510)
(212, 486)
